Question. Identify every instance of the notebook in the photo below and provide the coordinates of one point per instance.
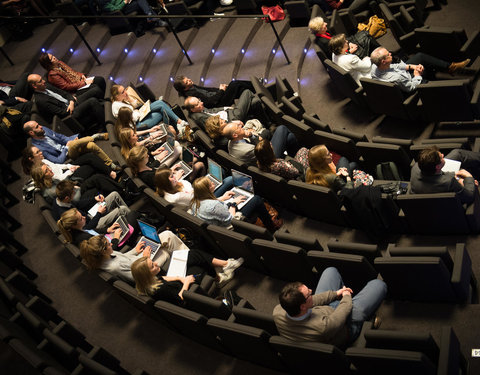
(451, 165)
(178, 263)
(186, 163)
(93, 211)
(214, 173)
(167, 147)
(150, 237)
(144, 110)
(242, 185)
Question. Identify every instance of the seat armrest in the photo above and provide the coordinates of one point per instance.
(471, 48)
(462, 272)
(451, 359)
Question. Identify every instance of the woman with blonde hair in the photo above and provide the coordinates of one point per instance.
(323, 172)
(159, 110)
(150, 277)
(288, 169)
(45, 182)
(215, 211)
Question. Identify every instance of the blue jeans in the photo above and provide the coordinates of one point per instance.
(226, 185)
(365, 303)
(159, 111)
(284, 140)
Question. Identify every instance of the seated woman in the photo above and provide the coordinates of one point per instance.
(159, 111)
(149, 281)
(213, 210)
(76, 226)
(62, 76)
(288, 169)
(361, 44)
(358, 68)
(129, 139)
(85, 165)
(125, 120)
(138, 162)
(99, 254)
(44, 180)
(323, 172)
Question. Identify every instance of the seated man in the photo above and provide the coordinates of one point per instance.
(58, 147)
(53, 101)
(401, 73)
(331, 315)
(248, 104)
(211, 97)
(17, 94)
(427, 175)
(242, 142)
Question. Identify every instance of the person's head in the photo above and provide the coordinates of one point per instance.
(124, 120)
(166, 182)
(430, 161)
(30, 156)
(296, 298)
(265, 155)
(381, 57)
(338, 44)
(193, 104)
(42, 176)
(202, 189)
(144, 272)
(234, 131)
(128, 139)
(37, 82)
(317, 25)
(137, 157)
(95, 251)
(71, 219)
(182, 84)
(118, 93)
(214, 126)
(47, 61)
(319, 158)
(65, 191)
(33, 129)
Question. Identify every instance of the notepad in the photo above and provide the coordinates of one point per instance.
(451, 165)
(178, 263)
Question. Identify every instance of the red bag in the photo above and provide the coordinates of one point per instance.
(276, 13)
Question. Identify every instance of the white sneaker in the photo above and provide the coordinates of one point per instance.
(232, 265)
(224, 278)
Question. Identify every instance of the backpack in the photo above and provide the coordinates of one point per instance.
(388, 171)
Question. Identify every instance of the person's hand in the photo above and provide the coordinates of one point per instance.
(462, 173)
(223, 87)
(140, 247)
(89, 81)
(155, 128)
(113, 175)
(73, 168)
(113, 228)
(418, 71)
(99, 198)
(240, 199)
(345, 291)
(248, 133)
(227, 195)
(117, 233)
(342, 172)
(176, 167)
(147, 252)
(102, 209)
(352, 47)
(188, 279)
(179, 173)
(71, 107)
(23, 100)
(476, 182)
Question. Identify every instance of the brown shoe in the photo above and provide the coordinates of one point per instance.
(454, 66)
(377, 323)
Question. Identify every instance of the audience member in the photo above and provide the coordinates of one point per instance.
(242, 142)
(65, 78)
(361, 44)
(343, 57)
(322, 171)
(331, 315)
(427, 175)
(17, 94)
(57, 147)
(292, 169)
(401, 73)
(51, 101)
(211, 97)
(355, 6)
(125, 120)
(213, 210)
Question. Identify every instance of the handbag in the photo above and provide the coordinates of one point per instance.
(276, 13)
(376, 26)
(361, 178)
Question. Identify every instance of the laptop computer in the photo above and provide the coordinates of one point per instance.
(242, 185)
(159, 134)
(150, 237)
(124, 226)
(168, 148)
(214, 173)
(186, 163)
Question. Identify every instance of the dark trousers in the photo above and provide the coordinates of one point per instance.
(430, 63)
(284, 140)
(470, 160)
(233, 91)
(256, 206)
(90, 113)
(90, 164)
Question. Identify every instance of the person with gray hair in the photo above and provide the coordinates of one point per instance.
(408, 75)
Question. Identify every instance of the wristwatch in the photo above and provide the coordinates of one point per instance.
(231, 204)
